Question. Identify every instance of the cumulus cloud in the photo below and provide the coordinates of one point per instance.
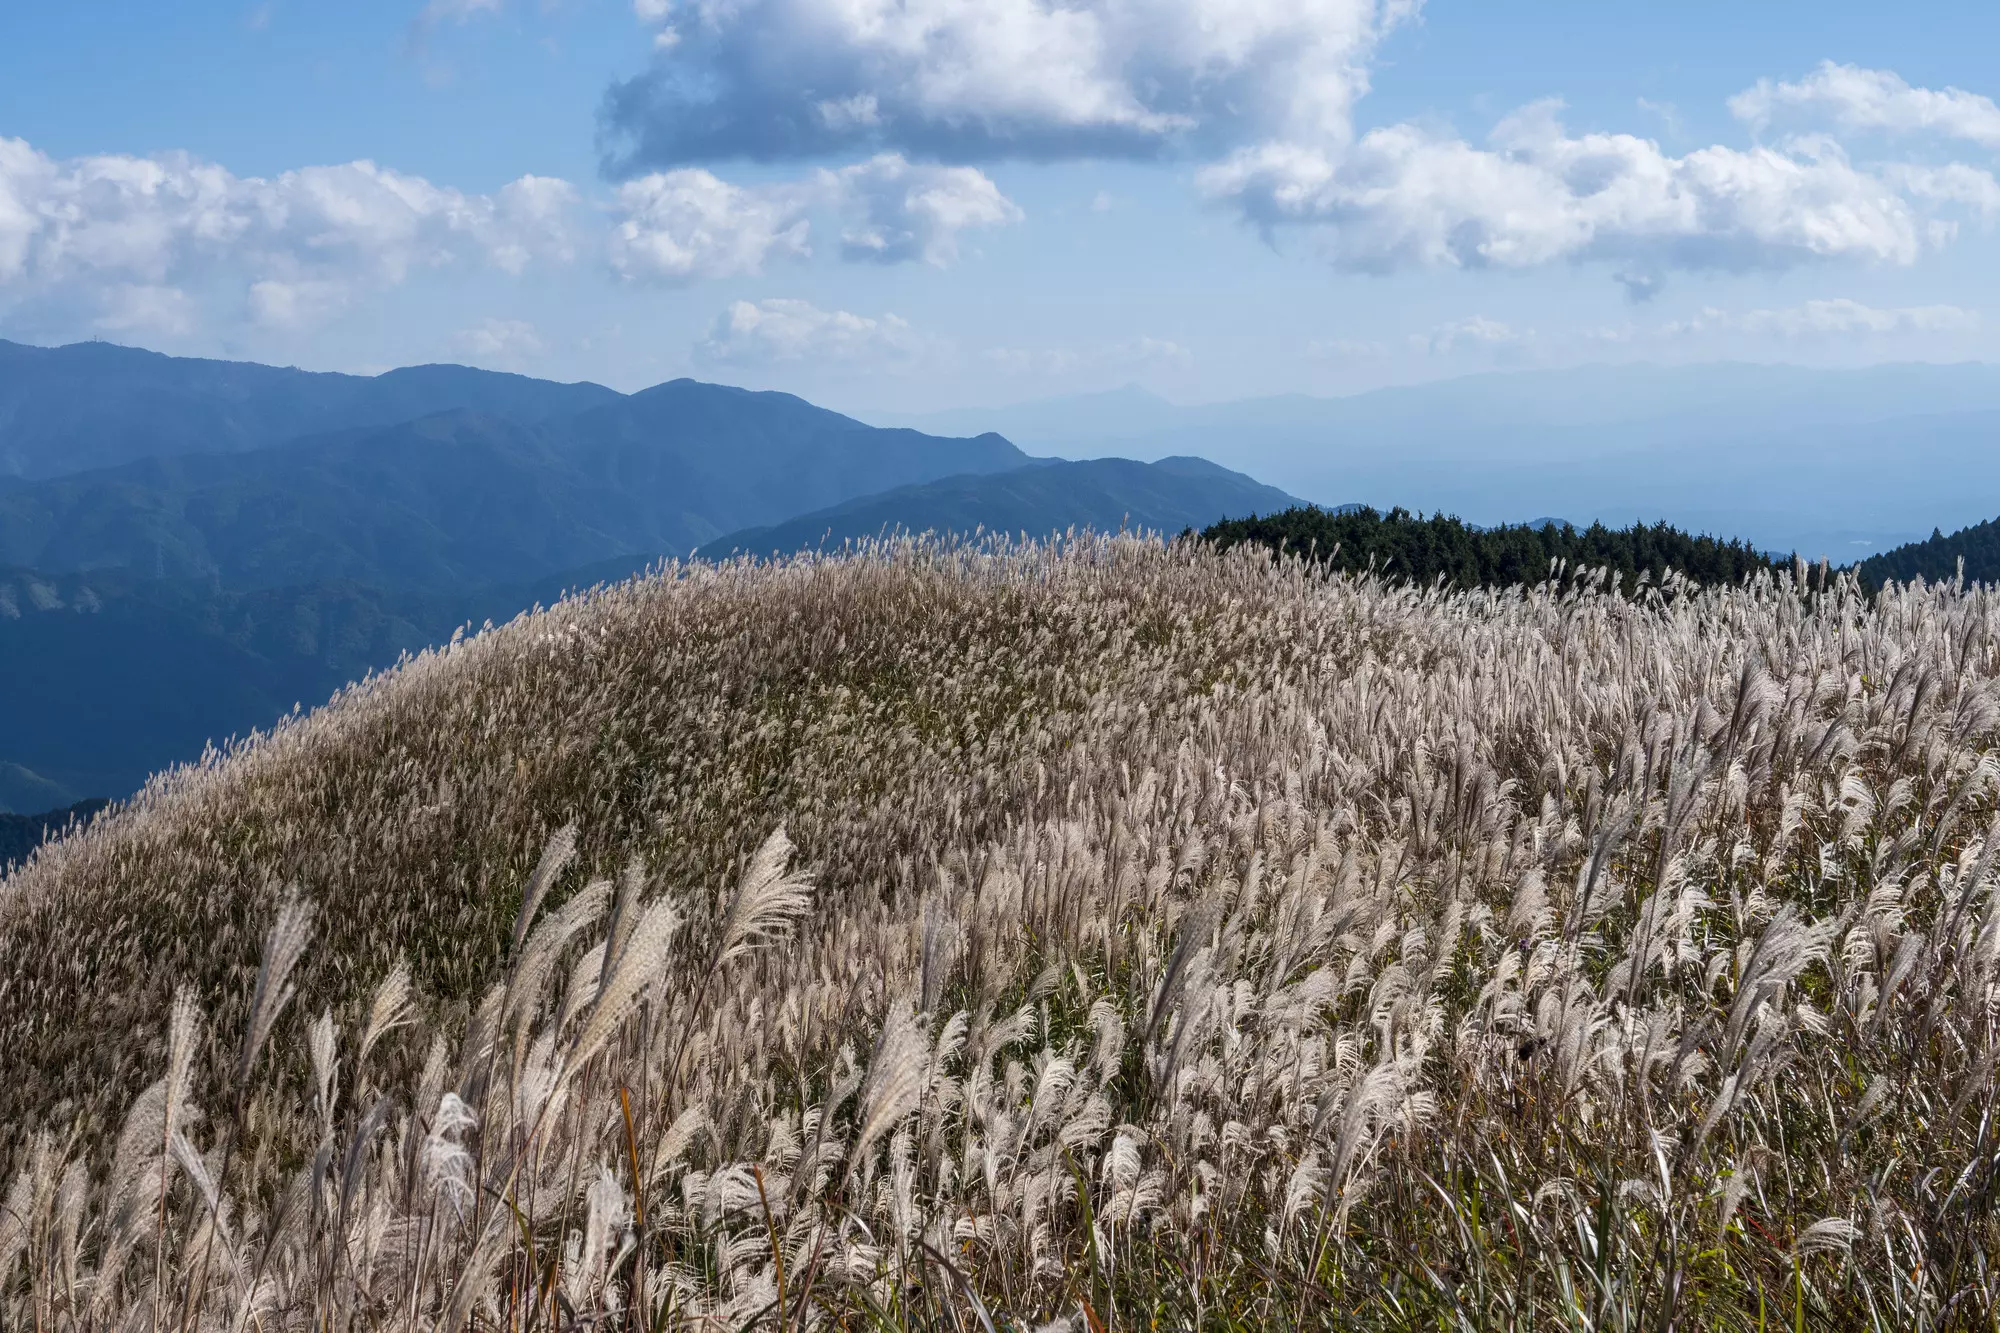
(1472, 331)
(976, 79)
(1266, 95)
(1537, 194)
(901, 211)
(165, 245)
(293, 305)
(679, 226)
(499, 341)
(1837, 318)
(91, 232)
(780, 330)
(1858, 99)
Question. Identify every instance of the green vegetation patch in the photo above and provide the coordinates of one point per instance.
(1402, 545)
(1937, 558)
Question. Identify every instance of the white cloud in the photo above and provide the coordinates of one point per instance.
(683, 225)
(901, 211)
(293, 305)
(779, 330)
(1859, 99)
(500, 341)
(1837, 318)
(771, 79)
(145, 308)
(74, 233)
(1538, 194)
(680, 226)
(1472, 331)
(1266, 92)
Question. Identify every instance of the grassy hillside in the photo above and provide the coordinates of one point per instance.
(1157, 937)
(1402, 545)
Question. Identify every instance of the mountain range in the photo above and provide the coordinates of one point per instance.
(190, 549)
(1838, 463)
(97, 405)
(1106, 494)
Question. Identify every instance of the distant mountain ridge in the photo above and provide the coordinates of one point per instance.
(108, 677)
(463, 499)
(189, 549)
(1105, 494)
(1836, 462)
(97, 405)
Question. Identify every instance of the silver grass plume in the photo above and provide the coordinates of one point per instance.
(622, 920)
(894, 1085)
(640, 963)
(767, 901)
(283, 947)
(390, 1009)
(556, 854)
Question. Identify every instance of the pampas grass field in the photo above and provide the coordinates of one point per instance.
(1106, 935)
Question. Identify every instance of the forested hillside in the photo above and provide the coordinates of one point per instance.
(1973, 552)
(21, 834)
(1405, 546)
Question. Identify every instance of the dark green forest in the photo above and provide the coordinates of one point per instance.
(21, 834)
(1936, 559)
(1400, 544)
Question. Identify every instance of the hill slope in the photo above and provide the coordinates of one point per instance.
(1972, 551)
(1104, 494)
(1160, 929)
(95, 405)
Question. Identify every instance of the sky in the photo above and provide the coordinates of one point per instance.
(899, 206)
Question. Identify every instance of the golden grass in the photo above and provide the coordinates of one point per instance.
(1155, 938)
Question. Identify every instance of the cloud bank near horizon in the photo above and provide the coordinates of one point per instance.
(875, 124)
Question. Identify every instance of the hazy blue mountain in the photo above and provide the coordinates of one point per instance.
(464, 500)
(95, 405)
(24, 791)
(1106, 493)
(21, 832)
(256, 538)
(108, 678)
(1841, 463)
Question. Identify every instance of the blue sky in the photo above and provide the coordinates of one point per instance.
(906, 206)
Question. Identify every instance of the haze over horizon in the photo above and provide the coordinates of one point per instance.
(904, 209)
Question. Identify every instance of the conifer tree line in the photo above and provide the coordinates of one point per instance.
(1401, 545)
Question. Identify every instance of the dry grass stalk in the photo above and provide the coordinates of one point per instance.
(1189, 939)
